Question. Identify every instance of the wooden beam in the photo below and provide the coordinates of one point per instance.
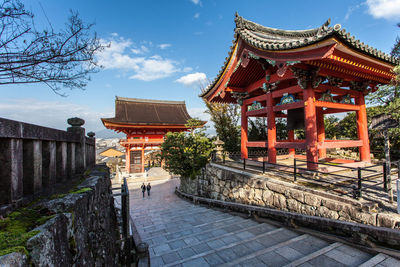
(333, 110)
(289, 90)
(273, 78)
(285, 144)
(335, 90)
(348, 107)
(293, 105)
(257, 113)
(256, 144)
(259, 98)
(340, 143)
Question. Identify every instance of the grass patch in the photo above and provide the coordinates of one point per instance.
(16, 229)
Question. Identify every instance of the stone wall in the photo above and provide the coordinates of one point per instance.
(84, 231)
(229, 184)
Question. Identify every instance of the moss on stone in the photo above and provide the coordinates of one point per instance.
(82, 190)
(16, 229)
(72, 191)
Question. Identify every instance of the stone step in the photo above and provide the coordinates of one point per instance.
(216, 244)
(155, 227)
(264, 251)
(235, 223)
(374, 260)
(224, 220)
(387, 262)
(210, 251)
(313, 255)
(177, 212)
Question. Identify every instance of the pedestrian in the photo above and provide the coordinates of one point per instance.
(148, 189)
(143, 189)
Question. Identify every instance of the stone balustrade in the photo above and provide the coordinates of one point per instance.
(33, 158)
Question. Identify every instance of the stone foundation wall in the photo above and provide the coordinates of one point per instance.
(228, 184)
(84, 231)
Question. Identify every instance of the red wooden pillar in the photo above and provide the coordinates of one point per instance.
(128, 159)
(321, 132)
(362, 128)
(311, 127)
(142, 160)
(292, 151)
(244, 133)
(271, 129)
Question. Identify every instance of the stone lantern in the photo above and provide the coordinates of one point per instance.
(219, 150)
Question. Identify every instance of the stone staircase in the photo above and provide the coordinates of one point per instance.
(182, 234)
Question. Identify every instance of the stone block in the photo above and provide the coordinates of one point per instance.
(386, 220)
(365, 218)
(225, 192)
(276, 187)
(279, 201)
(268, 197)
(296, 194)
(312, 200)
(327, 213)
(15, 259)
(259, 184)
(258, 194)
(293, 205)
(333, 204)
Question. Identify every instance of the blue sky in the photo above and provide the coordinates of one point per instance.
(170, 49)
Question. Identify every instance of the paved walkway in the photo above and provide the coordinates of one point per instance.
(182, 234)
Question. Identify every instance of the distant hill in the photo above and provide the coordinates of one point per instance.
(106, 133)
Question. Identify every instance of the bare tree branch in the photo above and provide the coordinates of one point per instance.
(63, 59)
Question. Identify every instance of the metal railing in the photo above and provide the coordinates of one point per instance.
(375, 177)
(135, 252)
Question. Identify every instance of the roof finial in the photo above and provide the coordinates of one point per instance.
(326, 24)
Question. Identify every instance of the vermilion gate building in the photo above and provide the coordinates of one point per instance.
(280, 73)
(145, 122)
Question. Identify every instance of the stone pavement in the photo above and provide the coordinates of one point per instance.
(180, 233)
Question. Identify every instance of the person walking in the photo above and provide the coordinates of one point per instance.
(143, 189)
(148, 189)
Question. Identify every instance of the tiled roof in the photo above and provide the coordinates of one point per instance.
(271, 39)
(149, 112)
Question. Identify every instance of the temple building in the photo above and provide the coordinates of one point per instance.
(145, 122)
(300, 75)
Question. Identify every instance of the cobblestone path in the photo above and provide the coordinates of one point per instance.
(182, 234)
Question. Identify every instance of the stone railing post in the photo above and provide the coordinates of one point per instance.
(71, 167)
(49, 168)
(32, 166)
(61, 162)
(11, 175)
(92, 150)
(80, 148)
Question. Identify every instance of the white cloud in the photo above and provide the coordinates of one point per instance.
(51, 114)
(164, 46)
(197, 78)
(196, 16)
(196, 2)
(350, 11)
(387, 9)
(123, 55)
